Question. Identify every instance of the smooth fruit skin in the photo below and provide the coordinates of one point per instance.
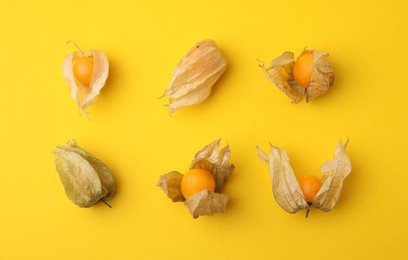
(196, 180)
(303, 68)
(310, 186)
(83, 69)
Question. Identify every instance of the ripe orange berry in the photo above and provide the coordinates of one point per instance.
(196, 180)
(83, 69)
(303, 68)
(310, 186)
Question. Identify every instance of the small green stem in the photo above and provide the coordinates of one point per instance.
(307, 212)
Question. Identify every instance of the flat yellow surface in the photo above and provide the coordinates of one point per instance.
(133, 134)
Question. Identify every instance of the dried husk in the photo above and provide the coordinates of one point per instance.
(335, 172)
(195, 75)
(205, 202)
(170, 183)
(86, 95)
(280, 72)
(322, 77)
(285, 186)
(86, 179)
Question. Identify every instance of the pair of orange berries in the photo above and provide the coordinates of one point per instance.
(196, 180)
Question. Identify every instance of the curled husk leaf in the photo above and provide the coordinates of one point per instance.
(86, 95)
(285, 186)
(86, 179)
(322, 77)
(207, 203)
(280, 72)
(204, 202)
(335, 172)
(170, 183)
(195, 75)
(215, 161)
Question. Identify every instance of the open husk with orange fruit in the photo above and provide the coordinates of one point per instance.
(310, 76)
(200, 187)
(86, 74)
(307, 192)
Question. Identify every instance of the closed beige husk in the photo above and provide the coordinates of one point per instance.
(195, 75)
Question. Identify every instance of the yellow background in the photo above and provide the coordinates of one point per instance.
(133, 134)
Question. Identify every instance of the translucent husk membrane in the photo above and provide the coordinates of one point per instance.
(195, 75)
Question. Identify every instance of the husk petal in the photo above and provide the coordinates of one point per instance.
(336, 171)
(285, 186)
(170, 183)
(322, 77)
(280, 72)
(215, 161)
(206, 203)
